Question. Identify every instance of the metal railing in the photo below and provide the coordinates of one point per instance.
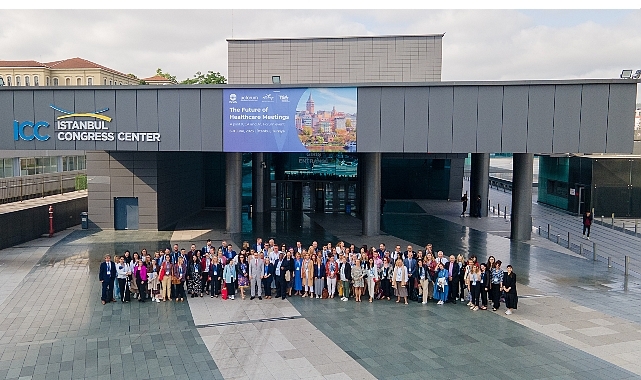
(15, 189)
(626, 225)
(586, 248)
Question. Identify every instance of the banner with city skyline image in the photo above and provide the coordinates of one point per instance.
(289, 120)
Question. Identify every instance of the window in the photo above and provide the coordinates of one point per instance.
(48, 82)
(79, 82)
(38, 165)
(17, 81)
(6, 168)
(27, 166)
(70, 163)
(110, 83)
(68, 82)
(105, 82)
(27, 81)
(89, 81)
(8, 80)
(36, 80)
(55, 81)
(121, 83)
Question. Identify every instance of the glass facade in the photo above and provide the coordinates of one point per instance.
(6, 167)
(554, 174)
(415, 178)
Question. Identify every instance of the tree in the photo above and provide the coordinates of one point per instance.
(209, 78)
(171, 78)
(140, 81)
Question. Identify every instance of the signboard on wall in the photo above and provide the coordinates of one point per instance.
(289, 120)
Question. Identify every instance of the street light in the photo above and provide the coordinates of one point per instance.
(637, 74)
(626, 74)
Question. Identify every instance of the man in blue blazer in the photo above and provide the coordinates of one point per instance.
(107, 277)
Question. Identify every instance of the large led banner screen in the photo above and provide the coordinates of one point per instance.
(289, 120)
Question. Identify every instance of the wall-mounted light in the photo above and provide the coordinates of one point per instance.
(626, 74)
(276, 78)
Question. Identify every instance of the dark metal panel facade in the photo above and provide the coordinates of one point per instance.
(540, 119)
(439, 123)
(147, 116)
(126, 115)
(621, 105)
(465, 119)
(23, 111)
(64, 100)
(42, 101)
(84, 101)
(168, 119)
(490, 119)
(392, 119)
(107, 99)
(515, 112)
(368, 127)
(190, 131)
(6, 120)
(211, 120)
(594, 118)
(416, 103)
(567, 119)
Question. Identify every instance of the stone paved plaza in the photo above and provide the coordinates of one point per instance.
(577, 319)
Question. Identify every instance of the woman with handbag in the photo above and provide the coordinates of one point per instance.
(399, 280)
(180, 272)
(215, 275)
(166, 273)
(140, 275)
(229, 275)
(153, 282)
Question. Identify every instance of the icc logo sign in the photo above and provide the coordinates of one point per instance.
(21, 130)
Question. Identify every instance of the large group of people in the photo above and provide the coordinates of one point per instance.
(319, 272)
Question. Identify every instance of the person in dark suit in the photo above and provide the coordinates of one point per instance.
(266, 278)
(410, 264)
(107, 277)
(215, 274)
(277, 274)
(286, 265)
(485, 285)
(453, 270)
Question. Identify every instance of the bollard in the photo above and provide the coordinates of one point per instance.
(594, 253)
(581, 249)
(612, 220)
(623, 228)
(498, 208)
(557, 238)
(539, 230)
(548, 231)
(627, 265)
(505, 213)
(609, 262)
(601, 219)
(636, 223)
(569, 240)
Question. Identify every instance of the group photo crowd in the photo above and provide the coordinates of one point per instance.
(265, 270)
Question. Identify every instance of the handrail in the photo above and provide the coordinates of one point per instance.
(15, 189)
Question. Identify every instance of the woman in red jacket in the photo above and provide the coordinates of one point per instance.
(166, 273)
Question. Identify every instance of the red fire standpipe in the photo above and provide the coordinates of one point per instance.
(50, 221)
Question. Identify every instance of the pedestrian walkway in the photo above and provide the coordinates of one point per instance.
(610, 242)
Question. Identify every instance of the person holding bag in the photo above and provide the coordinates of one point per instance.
(215, 274)
(166, 273)
(229, 275)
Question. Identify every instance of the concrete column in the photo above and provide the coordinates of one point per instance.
(479, 182)
(521, 219)
(371, 190)
(233, 191)
(259, 182)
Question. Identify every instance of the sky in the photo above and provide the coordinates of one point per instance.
(478, 44)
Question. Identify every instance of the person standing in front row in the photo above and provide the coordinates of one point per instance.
(123, 270)
(319, 277)
(165, 277)
(215, 274)
(268, 276)
(107, 276)
(509, 286)
(180, 273)
(256, 271)
(587, 223)
(140, 276)
(229, 275)
(399, 279)
(345, 274)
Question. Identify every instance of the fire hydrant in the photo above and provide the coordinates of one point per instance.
(50, 221)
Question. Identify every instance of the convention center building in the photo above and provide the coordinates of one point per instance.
(318, 125)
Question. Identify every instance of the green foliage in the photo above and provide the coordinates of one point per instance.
(81, 182)
(209, 78)
(171, 78)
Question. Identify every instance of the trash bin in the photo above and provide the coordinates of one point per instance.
(84, 219)
(348, 208)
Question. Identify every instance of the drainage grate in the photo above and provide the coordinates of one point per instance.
(233, 323)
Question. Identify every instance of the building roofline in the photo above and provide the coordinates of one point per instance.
(334, 85)
(336, 38)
